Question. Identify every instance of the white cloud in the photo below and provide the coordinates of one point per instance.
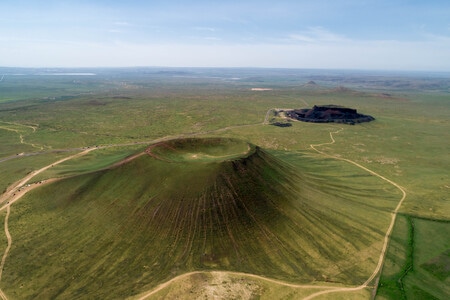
(212, 38)
(122, 23)
(208, 29)
(316, 35)
(301, 38)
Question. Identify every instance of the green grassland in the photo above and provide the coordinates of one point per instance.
(30, 86)
(150, 219)
(115, 232)
(418, 262)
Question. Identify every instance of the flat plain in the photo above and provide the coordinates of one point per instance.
(148, 183)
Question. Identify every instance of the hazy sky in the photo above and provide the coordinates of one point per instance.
(348, 34)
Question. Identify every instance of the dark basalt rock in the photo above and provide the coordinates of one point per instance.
(281, 124)
(329, 113)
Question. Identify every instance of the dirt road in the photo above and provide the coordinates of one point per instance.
(388, 232)
(8, 237)
(14, 188)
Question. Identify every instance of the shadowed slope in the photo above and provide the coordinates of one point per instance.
(122, 230)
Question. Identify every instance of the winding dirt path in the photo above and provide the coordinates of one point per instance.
(266, 118)
(5, 254)
(388, 232)
(2, 295)
(8, 237)
(21, 137)
(34, 127)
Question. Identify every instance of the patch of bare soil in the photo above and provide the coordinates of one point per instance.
(215, 285)
(261, 89)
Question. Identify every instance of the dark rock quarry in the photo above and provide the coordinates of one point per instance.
(329, 113)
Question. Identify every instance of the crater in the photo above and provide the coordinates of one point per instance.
(200, 150)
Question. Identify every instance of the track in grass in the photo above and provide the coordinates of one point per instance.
(388, 232)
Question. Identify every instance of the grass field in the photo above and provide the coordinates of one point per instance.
(251, 197)
(416, 268)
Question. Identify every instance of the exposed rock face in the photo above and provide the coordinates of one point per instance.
(329, 113)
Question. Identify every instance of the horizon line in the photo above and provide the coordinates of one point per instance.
(229, 68)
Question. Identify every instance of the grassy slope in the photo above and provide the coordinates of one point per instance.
(136, 220)
(95, 160)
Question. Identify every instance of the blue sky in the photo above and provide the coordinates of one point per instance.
(344, 34)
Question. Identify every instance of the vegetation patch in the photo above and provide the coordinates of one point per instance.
(281, 124)
(421, 270)
(439, 266)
